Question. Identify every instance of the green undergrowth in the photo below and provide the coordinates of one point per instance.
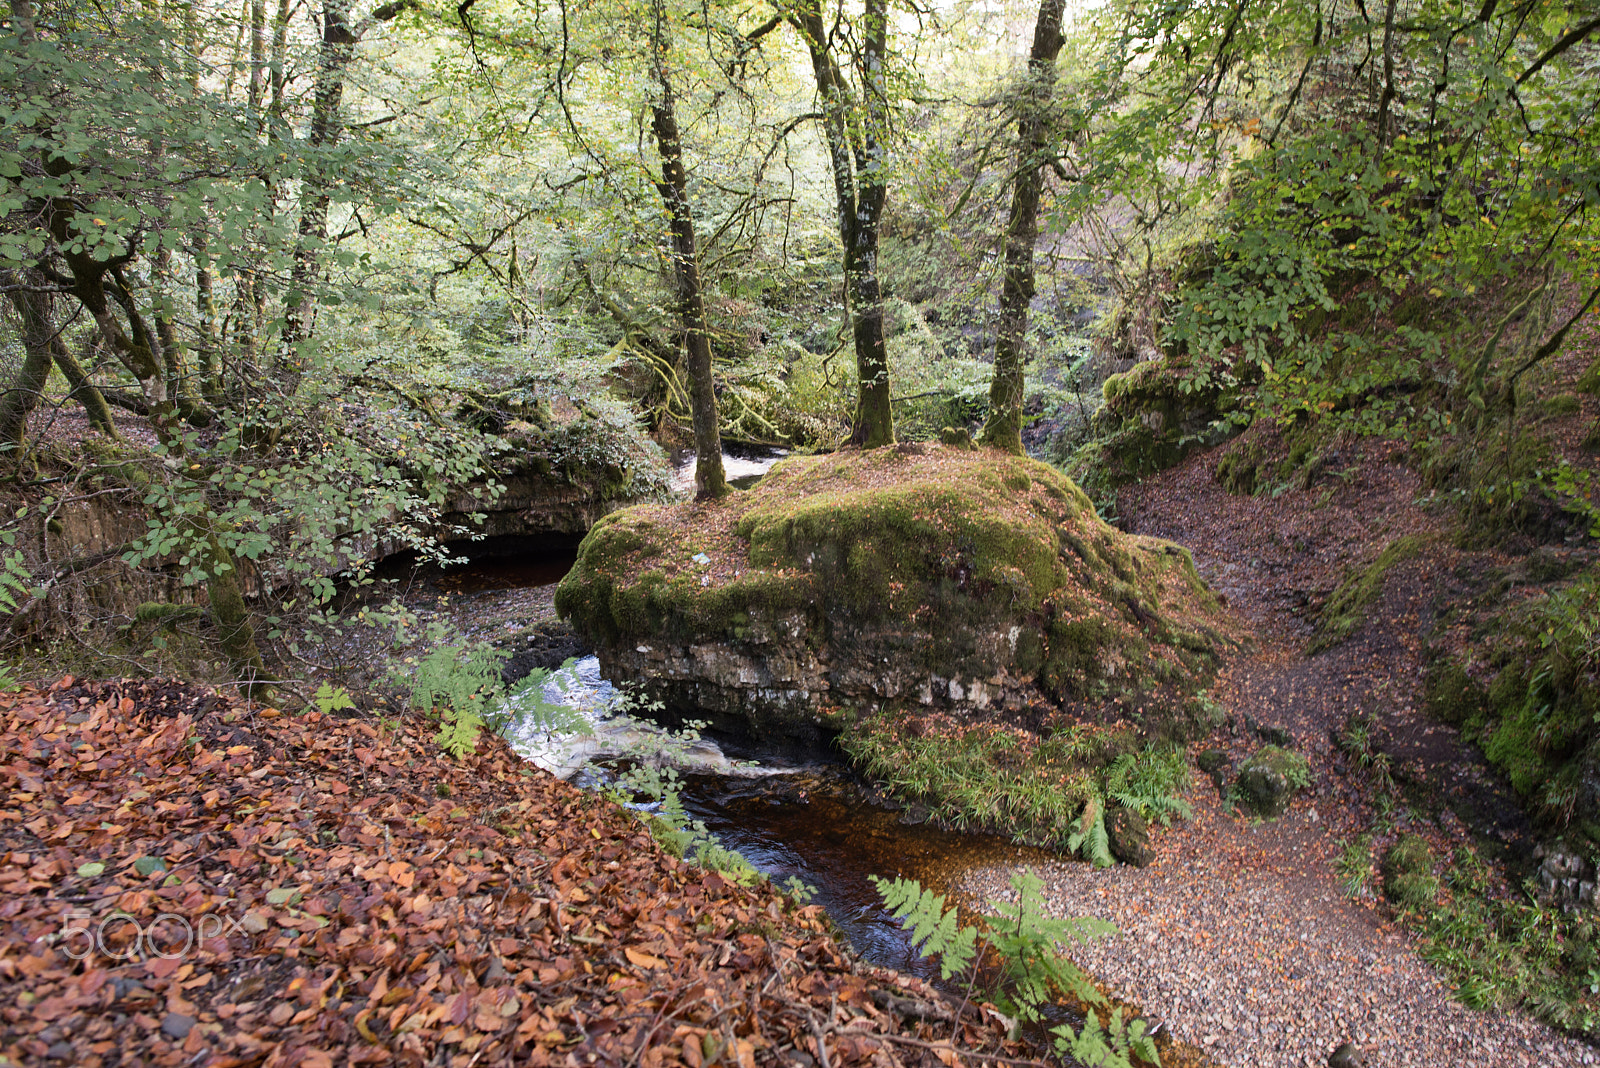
(1347, 608)
(1532, 701)
(1507, 950)
(1032, 972)
(1052, 791)
(1499, 945)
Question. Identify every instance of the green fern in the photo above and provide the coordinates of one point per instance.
(1091, 839)
(1107, 1047)
(458, 731)
(526, 708)
(1150, 783)
(14, 579)
(330, 699)
(933, 928)
(1026, 940)
(1027, 943)
(458, 686)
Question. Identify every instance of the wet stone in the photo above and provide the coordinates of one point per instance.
(1346, 1056)
(1130, 836)
(1264, 785)
(1215, 763)
(914, 815)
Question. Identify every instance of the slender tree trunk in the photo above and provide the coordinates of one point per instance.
(22, 394)
(277, 107)
(205, 299)
(1386, 99)
(333, 56)
(42, 342)
(258, 62)
(1003, 428)
(709, 480)
(236, 633)
(860, 162)
(874, 417)
(82, 390)
(337, 49)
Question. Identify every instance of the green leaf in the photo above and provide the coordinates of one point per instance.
(92, 869)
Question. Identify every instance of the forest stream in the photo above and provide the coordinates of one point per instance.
(798, 818)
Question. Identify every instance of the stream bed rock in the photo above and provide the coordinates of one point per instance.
(916, 575)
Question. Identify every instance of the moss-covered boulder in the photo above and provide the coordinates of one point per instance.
(918, 574)
(1269, 780)
(1154, 414)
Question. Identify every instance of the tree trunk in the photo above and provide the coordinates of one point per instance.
(22, 395)
(709, 480)
(1003, 428)
(42, 342)
(334, 53)
(205, 299)
(235, 633)
(859, 160)
(258, 62)
(82, 390)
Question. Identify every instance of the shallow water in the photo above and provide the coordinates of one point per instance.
(791, 821)
(818, 827)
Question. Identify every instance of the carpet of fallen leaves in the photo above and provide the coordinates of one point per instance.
(188, 879)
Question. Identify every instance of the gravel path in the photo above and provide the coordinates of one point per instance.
(1238, 938)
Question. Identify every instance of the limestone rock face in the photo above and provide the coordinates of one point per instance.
(917, 575)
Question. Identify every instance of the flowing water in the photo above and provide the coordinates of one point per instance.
(742, 469)
(792, 817)
(801, 820)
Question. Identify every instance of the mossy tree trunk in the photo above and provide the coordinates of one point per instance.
(859, 159)
(1003, 428)
(709, 479)
(42, 343)
(236, 634)
(22, 393)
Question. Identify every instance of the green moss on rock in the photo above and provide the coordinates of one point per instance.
(921, 573)
(1269, 780)
(1346, 609)
(1451, 695)
(1154, 414)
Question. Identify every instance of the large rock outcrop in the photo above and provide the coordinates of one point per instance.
(920, 575)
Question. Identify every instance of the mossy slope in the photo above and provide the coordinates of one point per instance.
(919, 573)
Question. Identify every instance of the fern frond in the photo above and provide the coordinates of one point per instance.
(1118, 774)
(458, 731)
(14, 578)
(934, 930)
(1086, 819)
(1098, 1046)
(1091, 839)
